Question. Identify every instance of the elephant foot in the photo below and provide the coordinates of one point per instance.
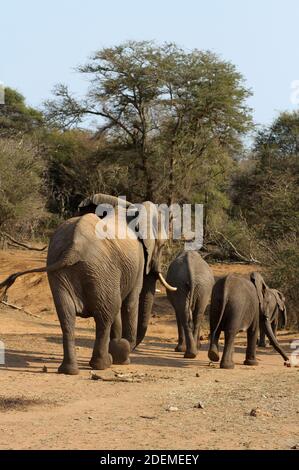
(101, 363)
(250, 362)
(213, 354)
(190, 355)
(68, 369)
(124, 363)
(120, 350)
(180, 348)
(227, 365)
(198, 345)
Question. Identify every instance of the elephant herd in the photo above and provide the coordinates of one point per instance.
(237, 304)
(113, 279)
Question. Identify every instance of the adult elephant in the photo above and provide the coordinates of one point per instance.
(101, 267)
(194, 280)
(239, 304)
(277, 315)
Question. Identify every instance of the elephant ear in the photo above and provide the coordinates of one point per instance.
(280, 299)
(260, 286)
(148, 230)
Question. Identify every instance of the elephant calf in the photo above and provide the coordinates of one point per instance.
(194, 281)
(239, 304)
(277, 316)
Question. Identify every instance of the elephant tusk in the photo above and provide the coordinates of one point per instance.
(165, 283)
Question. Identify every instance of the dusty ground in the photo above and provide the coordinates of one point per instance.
(42, 410)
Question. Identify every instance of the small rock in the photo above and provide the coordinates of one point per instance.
(90, 417)
(197, 374)
(258, 412)
(199, 405)
(172, 408)
(45, 369)
(217, 381)
(295, 447)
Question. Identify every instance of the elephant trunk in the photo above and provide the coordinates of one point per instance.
(146, 301)
(273, 340)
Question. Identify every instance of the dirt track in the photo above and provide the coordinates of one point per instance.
(43, 410)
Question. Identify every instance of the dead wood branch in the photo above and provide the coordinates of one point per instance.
(16, 307)
(250, 259)
(23, 245)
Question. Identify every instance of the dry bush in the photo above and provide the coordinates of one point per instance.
(21, 200)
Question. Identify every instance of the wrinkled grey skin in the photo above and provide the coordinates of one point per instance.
(103, 279)
(277, 315)
(105, 282)
(239, 304)
(194, 280)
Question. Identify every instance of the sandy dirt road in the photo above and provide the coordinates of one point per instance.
(157, 408)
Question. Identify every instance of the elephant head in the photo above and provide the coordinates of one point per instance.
(148, 223)
(264, 296)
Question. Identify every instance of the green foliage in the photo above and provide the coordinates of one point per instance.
(176, 114)
(16, 118)
(21, 203)
(170, 129)
(283, 273)
(266, 191)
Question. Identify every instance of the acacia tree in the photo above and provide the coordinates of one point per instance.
(173, 112)
(16, 118)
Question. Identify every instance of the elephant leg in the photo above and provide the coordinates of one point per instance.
(129, 318)
(252, 334)
(262, 339)
(119, 348)
(181, 346)
(116, 329)
(191, 346)
(228, 351)
(214, 348)
(67, 317)
(101, 358)
(197, 315)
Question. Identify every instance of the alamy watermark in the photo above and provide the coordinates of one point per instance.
(151, 221)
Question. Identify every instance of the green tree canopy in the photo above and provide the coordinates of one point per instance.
(16, 117)
(266, 192)
(175, 113)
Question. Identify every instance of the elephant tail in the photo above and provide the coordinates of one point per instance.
(9, 281)
(223, 305)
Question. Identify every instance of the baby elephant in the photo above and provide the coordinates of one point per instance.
(277, 317)
(194, 281)
(239, 304)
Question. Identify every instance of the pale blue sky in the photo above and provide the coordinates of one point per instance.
(42, 41)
